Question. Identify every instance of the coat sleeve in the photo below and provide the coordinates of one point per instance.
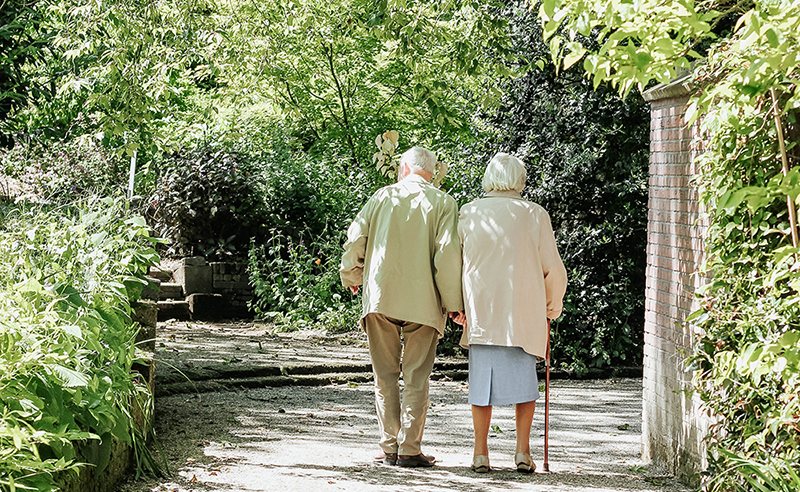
(447, 258)
(351, 268)
(555, 275)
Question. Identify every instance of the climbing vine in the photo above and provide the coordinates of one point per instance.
(745, 69)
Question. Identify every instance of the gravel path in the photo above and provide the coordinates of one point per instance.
(321, 438)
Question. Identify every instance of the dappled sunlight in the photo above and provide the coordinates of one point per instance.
(293, 438)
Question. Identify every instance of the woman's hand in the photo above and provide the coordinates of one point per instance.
(459, 318)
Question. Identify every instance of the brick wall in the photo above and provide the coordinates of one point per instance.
(672, 427)
(232, 281)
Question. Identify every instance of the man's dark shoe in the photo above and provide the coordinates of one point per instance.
(419, 460)
(386, 458)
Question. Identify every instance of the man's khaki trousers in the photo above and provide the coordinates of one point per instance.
(401, 423)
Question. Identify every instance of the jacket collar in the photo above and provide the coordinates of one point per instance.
(415, 178)
(504, 194)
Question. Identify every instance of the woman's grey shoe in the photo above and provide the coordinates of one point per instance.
(524, 463)
(480, 464)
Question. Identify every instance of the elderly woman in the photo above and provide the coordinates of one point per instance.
(513, 282)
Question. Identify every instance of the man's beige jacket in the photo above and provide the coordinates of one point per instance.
(514, 279)
(403, 248)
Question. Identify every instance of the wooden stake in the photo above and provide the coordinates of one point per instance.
(785, 166)
(546, 465)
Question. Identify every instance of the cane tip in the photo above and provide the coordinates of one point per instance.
(546, 467)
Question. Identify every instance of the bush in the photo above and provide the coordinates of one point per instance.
(213, 199)
(67, 277)
(207, 201)
(65, 171)
(298, 285)
(747, 351)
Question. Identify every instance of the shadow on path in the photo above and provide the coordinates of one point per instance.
(322, 438)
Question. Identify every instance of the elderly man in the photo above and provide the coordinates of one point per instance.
(403, 246)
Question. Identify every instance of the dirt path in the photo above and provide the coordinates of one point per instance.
(312, 438)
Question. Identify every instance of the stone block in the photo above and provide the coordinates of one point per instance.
(146, 314)
(171, 290)
(147, 368)
(206, 306)
(198, 261)
(152, 289)
(173, 310)
(194, 278)
(221, 285)
(242, 286)
(107, 480)
(162, 275)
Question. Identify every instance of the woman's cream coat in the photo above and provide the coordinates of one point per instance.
(513, 277)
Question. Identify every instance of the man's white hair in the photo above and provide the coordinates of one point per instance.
(504, 173)
(419, 159)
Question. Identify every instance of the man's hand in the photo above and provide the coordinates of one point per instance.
(459, 318)
(354, 289)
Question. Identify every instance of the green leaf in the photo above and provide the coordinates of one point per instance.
(70, 377)
(575, 54)
(72, 330)
(789, 339)
(731, 200)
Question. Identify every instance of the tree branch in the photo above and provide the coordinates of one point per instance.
(328, 51)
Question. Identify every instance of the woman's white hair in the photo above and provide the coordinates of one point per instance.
(419, 159)
(504, 173)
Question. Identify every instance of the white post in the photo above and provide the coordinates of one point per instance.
(132, 175)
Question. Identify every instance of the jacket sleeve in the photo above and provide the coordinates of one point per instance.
(555, 275)
(447, 258)
(351, 269)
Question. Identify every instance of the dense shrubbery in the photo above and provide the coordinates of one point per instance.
(587, 154)
(298, 285)
(207, 201)
(67, 277)
(64, 171)
(747, 354)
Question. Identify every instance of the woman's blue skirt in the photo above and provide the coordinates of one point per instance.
(501, 376)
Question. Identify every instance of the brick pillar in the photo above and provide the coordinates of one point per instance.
(672, 426)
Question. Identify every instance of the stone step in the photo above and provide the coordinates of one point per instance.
(171, 290)
(173, 309)
(162, 275)
(151, 291)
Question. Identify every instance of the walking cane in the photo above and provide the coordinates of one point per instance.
(546, 465)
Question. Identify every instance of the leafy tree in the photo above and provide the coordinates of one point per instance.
(340, 72)
(746, 105)
(21, 43)
(119, 71)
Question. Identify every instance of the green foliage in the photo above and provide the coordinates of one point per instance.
(139, 76)
(208, 201)
(638, 42)
(118, 70)
(586, 154)
(747, 355)
(21, 43)
(298, 285)
(214, 199)
(65, 171)
(67, 278)
(340, 71)
(746, 102)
